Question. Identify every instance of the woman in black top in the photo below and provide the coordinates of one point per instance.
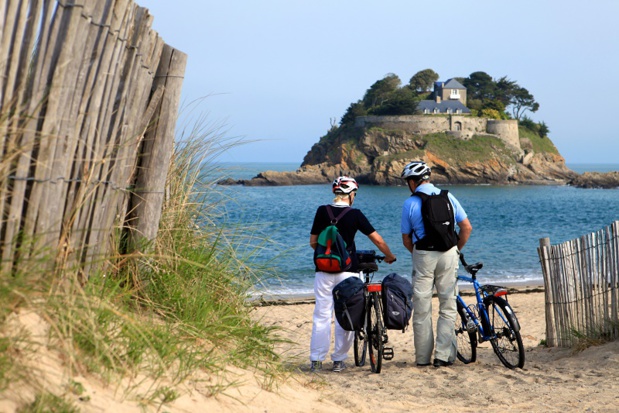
(345, 190)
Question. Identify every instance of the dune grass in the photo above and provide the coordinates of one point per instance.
(158, 314)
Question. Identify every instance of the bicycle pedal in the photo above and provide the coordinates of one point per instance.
(388, 353)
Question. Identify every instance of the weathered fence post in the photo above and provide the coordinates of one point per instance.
(157, 147)
(544, 255)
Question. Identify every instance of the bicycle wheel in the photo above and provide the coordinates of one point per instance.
(375, 334)
(506, 341)
(467, 340)
(360, 348)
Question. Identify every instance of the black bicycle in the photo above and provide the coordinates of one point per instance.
(490, 319)
(371, 339)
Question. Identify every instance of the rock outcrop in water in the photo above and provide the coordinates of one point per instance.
(376, 156)
(606, 180)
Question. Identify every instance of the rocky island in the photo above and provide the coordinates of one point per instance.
(462, 145)
(376, 155)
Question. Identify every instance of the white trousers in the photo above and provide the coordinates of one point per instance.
(323, 315)
(434, 269)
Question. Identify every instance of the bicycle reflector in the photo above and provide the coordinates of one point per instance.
(500, 292)
(374, 288)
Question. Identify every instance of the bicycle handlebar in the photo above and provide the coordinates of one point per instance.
(473, 268)
(370, 256)
(462, 259)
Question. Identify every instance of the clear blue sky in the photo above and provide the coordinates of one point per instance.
(277, 72)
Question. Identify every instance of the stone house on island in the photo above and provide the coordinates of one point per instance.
(450, 104)
(449, 98)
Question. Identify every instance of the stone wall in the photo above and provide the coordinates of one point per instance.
(459, 126)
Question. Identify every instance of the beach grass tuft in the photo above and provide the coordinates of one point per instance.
(160, 312)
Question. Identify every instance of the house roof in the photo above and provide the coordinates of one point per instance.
(453, 84)
(443, 106)
(448, 84)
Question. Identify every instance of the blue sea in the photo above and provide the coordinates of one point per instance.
(508, 223)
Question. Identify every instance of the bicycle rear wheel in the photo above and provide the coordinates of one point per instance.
(467, 340)
(507, 342)
(375, 334)
(360, 348)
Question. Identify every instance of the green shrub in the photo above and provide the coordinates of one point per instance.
(540, 145)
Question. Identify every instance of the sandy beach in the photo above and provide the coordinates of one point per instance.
(553, 380)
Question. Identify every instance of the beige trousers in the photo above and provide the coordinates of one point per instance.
(434, 269)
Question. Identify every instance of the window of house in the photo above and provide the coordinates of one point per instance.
(426, 111)
(435, 110)
(455, 94)
(458, 110)
(449, 110)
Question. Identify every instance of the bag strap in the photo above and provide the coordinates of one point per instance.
(347, 313)
(335, 220)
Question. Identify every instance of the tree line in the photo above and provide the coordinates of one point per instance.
(486, 97)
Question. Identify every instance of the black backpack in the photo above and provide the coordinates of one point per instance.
(397, 298)
(331, 254)
(438, 221)
(349, 303)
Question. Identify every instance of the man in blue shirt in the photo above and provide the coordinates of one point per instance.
(431, 268)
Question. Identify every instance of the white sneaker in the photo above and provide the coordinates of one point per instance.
(338, 366)
(316, 366)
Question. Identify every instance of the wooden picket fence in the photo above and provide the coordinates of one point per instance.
(89, 98)
(581, 278)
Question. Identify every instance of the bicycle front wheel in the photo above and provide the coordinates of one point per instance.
(375, 334)
(360, 348)
(506, 341)
(467, 340)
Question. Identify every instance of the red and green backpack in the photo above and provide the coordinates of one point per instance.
(331, 254)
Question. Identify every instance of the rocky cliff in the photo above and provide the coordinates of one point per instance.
(377, 156)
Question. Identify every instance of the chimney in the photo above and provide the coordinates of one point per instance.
(438, 99)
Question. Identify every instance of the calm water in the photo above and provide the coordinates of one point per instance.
(508, 223)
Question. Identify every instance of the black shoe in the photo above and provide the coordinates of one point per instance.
(441, 363)
(423, 364)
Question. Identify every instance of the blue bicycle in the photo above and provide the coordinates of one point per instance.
(490, 319)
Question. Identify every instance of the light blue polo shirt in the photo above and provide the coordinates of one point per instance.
(412, 221)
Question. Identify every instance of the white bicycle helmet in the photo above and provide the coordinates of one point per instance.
(344, 185)
(416, 170)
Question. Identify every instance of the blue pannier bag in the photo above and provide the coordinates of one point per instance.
(397, 302)
(349, 303)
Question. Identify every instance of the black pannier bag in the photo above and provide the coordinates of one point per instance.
(397, 301)
(349, 303)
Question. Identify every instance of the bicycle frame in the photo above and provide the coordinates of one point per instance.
(373, 335)
(480, 317)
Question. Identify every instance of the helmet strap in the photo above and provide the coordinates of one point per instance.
(414, 186)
